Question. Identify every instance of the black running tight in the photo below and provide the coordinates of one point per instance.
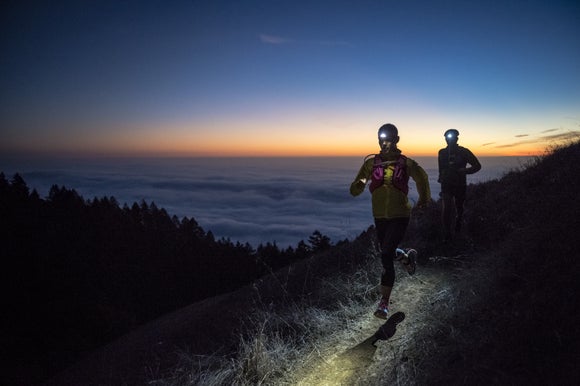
(390, 232)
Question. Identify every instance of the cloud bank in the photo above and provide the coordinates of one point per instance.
(254, 200)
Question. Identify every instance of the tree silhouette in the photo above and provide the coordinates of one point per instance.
(319, 242)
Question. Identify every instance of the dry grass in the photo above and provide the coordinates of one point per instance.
(308, 344)
(281, 342)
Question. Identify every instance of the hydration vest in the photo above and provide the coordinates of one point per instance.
(400, 178)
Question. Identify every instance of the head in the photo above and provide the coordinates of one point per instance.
(388, 137)
(451, 137)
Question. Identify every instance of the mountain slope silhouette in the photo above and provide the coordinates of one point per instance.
(498, 306)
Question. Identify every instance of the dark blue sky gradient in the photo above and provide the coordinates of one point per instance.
(144, 76)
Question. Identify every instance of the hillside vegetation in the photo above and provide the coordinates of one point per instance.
(80, 273)
(497, 306)
(516, 317)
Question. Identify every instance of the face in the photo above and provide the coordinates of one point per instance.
(451, 139)
(387, 143)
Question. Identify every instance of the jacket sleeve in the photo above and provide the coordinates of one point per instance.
(472, 160)
(441, 165)
(361, 179)
(418, 174)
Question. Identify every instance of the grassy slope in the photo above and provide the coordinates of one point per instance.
(523, 325)
(498, 307)
(213, 327)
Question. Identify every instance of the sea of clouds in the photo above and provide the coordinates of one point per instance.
(254, 200)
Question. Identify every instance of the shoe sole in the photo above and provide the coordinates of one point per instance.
(397, 318)
(388, 329)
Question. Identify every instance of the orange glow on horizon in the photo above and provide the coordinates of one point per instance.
(257, 141)
(156, 149)
(265, 143)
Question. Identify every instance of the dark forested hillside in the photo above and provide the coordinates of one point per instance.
(78, 273)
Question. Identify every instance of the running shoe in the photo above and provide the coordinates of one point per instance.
(382, 309)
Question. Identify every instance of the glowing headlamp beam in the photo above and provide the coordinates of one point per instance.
(384, 137)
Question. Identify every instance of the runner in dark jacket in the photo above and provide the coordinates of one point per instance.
(453, 169)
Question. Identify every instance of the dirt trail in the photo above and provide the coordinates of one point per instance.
(349, 358)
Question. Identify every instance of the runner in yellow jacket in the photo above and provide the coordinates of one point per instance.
(388, 174)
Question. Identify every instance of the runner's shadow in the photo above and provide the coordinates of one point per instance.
(357, 358)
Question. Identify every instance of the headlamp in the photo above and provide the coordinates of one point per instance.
(385, 137)
(451, 134)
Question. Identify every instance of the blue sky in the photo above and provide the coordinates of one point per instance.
(206, 78)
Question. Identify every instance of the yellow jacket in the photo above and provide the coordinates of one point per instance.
(387, 200)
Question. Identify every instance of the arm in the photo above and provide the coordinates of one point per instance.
(364, 175)
(474, 165)
(440, 163)
(418, 174)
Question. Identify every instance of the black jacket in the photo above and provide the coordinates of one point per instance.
(453, 162)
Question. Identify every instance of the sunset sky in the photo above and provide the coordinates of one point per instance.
(277, 77)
